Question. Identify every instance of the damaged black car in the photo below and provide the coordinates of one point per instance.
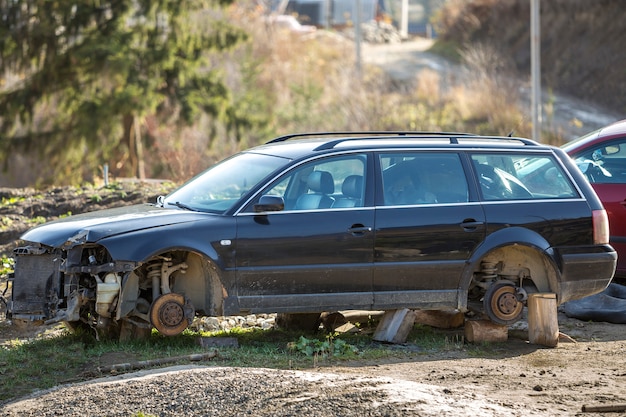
(320, 222)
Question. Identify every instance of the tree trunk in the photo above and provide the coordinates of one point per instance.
(141, 170)
(132, 139)
(128, 168)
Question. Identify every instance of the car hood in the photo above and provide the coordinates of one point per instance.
(93, 226)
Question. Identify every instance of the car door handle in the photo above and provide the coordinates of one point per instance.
(471, 224)
(359, 229)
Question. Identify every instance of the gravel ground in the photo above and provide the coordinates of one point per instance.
(202, 391)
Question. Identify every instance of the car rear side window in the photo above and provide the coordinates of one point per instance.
(423, 178)
(521, 177)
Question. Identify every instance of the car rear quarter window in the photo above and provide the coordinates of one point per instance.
(506, 176)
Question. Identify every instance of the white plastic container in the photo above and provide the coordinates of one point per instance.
(106, 293)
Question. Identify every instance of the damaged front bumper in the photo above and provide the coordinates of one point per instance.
(52, 285)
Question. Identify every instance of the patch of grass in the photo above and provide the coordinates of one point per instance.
(5, 202)
(446, 49)
(71, 357)
(6, 265)
(430, 339)
(36, 220)
(39, 364)
(5, 222)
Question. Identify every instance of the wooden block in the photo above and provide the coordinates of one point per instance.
(479, 331)
(206, 342)
(395, 326)
(442, 319)
(347, 328)
(543, 323)
(361, 316)
(332, 321)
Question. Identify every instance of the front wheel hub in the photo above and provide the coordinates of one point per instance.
(171, 313)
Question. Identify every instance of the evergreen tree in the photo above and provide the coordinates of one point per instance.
(80, 77)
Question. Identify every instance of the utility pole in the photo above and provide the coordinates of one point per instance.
(535, 68)
(357, 36)
(327, 14)
(404, 19)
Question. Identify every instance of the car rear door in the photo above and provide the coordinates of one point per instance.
(427, 225)
(317, 253)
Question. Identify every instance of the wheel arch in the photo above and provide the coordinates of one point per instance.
(201, 280)
(518, 253)
(203, 284)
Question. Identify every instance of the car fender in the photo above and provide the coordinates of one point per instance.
(213, 241)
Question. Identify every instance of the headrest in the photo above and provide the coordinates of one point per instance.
(352, 186)
(321, 182)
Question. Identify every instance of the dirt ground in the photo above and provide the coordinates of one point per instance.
(585, 372)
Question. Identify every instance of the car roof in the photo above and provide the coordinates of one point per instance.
(303, 144)
(617, 128)
(614, 129)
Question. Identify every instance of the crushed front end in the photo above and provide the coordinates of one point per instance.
(77, 284)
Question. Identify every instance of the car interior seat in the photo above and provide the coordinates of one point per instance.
(321, 185)
(352, 190)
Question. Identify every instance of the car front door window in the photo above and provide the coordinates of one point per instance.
(323, 184)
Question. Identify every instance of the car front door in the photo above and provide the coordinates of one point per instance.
(427, 225)
(316, 253)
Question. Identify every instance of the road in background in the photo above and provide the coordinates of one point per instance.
(404, 61)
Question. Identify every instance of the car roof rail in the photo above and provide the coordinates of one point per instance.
(364, 135)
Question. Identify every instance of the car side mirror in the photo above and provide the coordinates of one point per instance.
(269, 203)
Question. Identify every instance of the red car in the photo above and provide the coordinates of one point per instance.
(601, 155)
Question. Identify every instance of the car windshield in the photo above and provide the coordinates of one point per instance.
(220, 187)
(570, 144)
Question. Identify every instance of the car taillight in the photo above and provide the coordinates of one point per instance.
(600, 227)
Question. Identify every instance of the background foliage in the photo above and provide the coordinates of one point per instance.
(166, 88)
(81, 78)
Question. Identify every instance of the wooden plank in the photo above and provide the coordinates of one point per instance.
(480, 331)
(395, 326)
(543, 324)
(442, 319)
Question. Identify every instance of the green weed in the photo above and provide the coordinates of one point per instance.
(330, 346)
(36, 220)
(6, 265)
(5, 202)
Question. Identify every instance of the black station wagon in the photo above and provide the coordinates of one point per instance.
(323, 222)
